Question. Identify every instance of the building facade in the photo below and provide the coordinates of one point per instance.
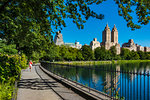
(94, 44)
(58, 40)
(110, 38)
(132, 46)
(146, 49)
(78, 45)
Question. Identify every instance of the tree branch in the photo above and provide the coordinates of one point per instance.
(4, 5)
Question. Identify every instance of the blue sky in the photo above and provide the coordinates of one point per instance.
(93, 27)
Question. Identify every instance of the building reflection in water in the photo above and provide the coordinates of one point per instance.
(111, 83)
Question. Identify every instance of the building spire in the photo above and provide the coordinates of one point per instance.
(114, 28)
(107, 27)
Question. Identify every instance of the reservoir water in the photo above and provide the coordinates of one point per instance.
(129, 81)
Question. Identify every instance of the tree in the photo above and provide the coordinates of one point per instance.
(14, 11)
(125, 53)
(79, 55)
(7, 49)
(102, 54)
(21, 20)
(98, 53)
(19, 17)
(147, 55)
(113, 51)
(30, 23)
(142, 55)
(108, 55)
(134, 55)
(70, 54)
(51, 53)
(142, 9)
(87, 52)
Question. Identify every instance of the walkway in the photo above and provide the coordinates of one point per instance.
(36, 85)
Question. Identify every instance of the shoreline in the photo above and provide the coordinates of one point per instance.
(98, 62)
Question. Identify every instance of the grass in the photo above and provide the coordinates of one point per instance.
(85, 63)
(131, 61)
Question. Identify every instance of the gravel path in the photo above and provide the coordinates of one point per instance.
(36, 85)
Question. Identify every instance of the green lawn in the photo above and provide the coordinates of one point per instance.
(99, 62)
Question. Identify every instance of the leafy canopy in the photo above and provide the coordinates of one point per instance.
(44, 16)
(26, 22)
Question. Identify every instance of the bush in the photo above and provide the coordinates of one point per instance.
(10, 66)
(6, 89)
(23, 61)
(10, 69)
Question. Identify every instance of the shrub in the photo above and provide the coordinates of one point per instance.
(23, 61)
(10, 69)
(6, 89)
(10, 66)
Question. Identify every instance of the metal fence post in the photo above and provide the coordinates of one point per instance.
(137, 85)
(89, 78)
(144, 85)
(140, 86)
(148, 84)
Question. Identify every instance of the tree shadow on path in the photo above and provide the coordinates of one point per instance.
(36, 84)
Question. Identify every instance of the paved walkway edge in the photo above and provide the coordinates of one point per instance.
(78, 88)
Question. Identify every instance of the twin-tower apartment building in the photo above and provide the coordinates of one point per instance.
(109, 39)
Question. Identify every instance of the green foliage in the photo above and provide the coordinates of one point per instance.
(87, 52)
(139, 7)
(79, 56)
(133, 56)
(70, 54)
(35, 56)
(99, 54)
(66, 53)
(142, 55)
(23, 61)
(7, 49)
(30, 27)
(113, 51)
(102, 54)
(147, 54)
(6, 89)
(58, 53)
(9, 67)
(125, 53)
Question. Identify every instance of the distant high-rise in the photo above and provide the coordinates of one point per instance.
(114, 35)
(106, 34)
(110, 39)
(58, 38)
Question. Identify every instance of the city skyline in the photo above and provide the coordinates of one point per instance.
(93, 27)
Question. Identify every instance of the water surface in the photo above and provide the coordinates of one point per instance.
(129, 81)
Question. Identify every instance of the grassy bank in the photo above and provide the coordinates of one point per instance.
(84, 63)
(131, 61)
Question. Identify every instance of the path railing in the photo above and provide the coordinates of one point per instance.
(117, 83)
